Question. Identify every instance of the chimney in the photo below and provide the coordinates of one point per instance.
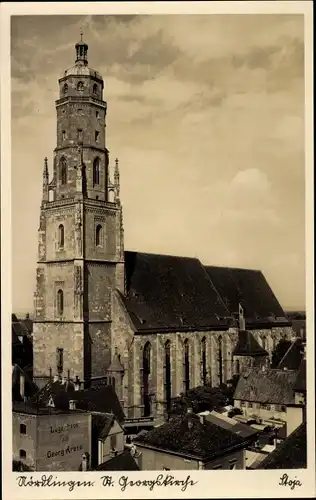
(72, 404)
(202, 419)
(85, 462)
(77, 383)
(22, 385)
(242, 323)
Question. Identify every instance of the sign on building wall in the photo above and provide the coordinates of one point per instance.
(61, 441)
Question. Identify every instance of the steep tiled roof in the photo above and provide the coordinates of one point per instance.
(300, 384)
(293, 356)
(123, 461)
(167, 292)
(248, 288)
(290, 454)
(30, 388)
(247, 345)
(268, 386)
(102, 423)
(186, 435)
(116, 365)
(230, 424)
(101, 398)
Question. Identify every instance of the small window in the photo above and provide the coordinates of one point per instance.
(60, 359)
(64, 135)
(79, 134)
(22, 429)
(96, 171)
(22, 454)
(113, 441)
(65, 89)
(97, 114)
(95, 89)
(243, 403)
(60, 302)
(80, 87)
(98, 235)
(63, 170)
(61, 236)
(97, 136)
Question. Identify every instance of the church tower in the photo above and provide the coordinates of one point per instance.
(81, 250)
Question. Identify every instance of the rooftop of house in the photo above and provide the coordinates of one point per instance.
(269, 386)
(247, 345)
(30, 388)
(102, 398)
(228, 423)
(293, 356)
(290, 454)
(102, 423)
(31, 408)
(163, 292)
(189, 437)
(122, 461)
(300, 384)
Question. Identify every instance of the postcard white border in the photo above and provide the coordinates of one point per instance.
(241, 484)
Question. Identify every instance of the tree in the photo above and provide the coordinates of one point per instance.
(279, 352)
(199, 398)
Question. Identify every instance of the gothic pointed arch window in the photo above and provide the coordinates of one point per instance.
(220, 359)
(237, 367)
(96, 172)
(167, 369)
(146, 375)
(60, 302)
(203, 356)
(61, 236)
(63, 170)
(99, 235)
(186, 365)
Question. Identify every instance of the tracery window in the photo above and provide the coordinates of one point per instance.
(146, 374)
(186, 365)
(167, 367)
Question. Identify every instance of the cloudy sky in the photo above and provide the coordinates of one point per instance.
(205, 113)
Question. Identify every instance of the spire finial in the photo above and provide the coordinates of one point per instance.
(81, 34)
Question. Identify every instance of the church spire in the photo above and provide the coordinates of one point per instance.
(81, 51)
(117, 180)
(45, 179)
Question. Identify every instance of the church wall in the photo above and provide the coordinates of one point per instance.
(100, 338)
(59, 276)
(47, 337)
(99, 278)
(94, 217)
(64, 216)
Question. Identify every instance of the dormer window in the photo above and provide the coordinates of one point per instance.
(80, 87)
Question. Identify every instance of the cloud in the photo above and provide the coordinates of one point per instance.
(206, 114)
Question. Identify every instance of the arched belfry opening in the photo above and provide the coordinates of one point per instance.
(146, 375)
